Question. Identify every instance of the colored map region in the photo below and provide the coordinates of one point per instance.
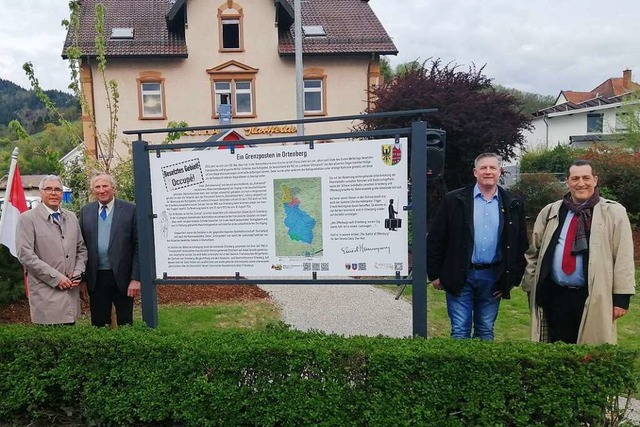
(298, 215)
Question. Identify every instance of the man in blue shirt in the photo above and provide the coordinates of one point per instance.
(475, 249)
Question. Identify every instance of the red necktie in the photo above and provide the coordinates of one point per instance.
(568, 260)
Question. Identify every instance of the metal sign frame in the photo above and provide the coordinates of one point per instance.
(417, 134)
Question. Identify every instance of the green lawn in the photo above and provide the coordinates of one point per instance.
(258, 314)
(232, 315)
(513, 319)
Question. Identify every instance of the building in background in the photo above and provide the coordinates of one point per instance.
(207, 61)
(581, 118)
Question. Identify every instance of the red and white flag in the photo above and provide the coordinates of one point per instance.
(14, 204)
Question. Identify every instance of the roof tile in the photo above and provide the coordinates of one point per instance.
(146, 17)
(351, 27)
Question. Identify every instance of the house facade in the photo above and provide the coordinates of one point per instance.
(209, 61)
(581, 118)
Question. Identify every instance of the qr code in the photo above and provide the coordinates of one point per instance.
(316, 266)
(362, 266)
(306, 266)
(397, 266)
(324, 266)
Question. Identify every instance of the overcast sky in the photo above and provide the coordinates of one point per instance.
(541, 46)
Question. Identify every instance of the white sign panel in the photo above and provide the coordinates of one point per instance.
(283, 211)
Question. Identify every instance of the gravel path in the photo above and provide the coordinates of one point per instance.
(343, 309)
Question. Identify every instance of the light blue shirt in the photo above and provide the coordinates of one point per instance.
(486, 228)
(560, 277)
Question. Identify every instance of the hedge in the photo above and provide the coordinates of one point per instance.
(134, 375)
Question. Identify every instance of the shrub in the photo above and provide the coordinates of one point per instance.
(538, 190)
(555, 160)
(11, 277)
(136, 376)
(618, 171)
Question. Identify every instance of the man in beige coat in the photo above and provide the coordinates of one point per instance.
(580, 268)
(50, 247)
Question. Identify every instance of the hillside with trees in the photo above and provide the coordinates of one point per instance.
(45, 142)
(23, 105)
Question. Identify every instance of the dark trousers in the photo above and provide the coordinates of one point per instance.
(563, 312)
(105, 294)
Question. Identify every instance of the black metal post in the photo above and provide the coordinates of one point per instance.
(146, 248)
(419, 223)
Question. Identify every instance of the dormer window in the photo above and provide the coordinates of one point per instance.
(313, 31)
(230, 29)
(121, 33)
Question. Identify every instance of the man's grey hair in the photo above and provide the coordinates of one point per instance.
(98, 174)
(50, 178)
(485, 156)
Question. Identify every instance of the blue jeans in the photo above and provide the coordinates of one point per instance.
(476, 304)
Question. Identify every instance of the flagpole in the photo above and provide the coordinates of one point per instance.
(7, 195)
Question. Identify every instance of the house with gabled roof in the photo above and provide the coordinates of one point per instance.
(581, 118)
(203, 60)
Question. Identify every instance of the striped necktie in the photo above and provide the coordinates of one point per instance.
(55, 217)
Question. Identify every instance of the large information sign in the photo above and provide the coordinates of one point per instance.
(336, 210)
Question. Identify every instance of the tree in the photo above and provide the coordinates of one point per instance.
(476, 117)
(630, 119)
(80, 170)
(531, 102)
(385, 69)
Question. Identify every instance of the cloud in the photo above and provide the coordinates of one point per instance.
(541, 47)
(32, 31)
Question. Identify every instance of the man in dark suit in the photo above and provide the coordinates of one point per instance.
(475, 249)
(113, 271)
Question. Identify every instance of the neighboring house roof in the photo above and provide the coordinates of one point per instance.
(575, 97)
(615, 86)
(153, 35)
(351, 26)
(28, 181)
(72, 155)
(610, 91)
(567, 106)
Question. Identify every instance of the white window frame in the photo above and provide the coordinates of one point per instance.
(239, 92)
(145, 79)
(314, 90)
(229, 22)
(232, 94)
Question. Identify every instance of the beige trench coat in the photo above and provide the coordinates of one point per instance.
(49, 252)
(611, 269)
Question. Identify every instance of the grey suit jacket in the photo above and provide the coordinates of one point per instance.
(123, 243)
(50, 252)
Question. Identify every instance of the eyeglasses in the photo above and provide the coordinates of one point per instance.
(50, 190)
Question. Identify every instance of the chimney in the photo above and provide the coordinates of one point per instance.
(626, 78)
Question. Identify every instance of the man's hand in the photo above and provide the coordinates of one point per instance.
(134, 289)
(65, 283)
(436, 284)
(618, 312)
(497, 294)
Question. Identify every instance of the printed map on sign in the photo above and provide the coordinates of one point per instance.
(298, 217)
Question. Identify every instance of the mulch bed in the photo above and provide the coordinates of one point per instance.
(18, 312)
